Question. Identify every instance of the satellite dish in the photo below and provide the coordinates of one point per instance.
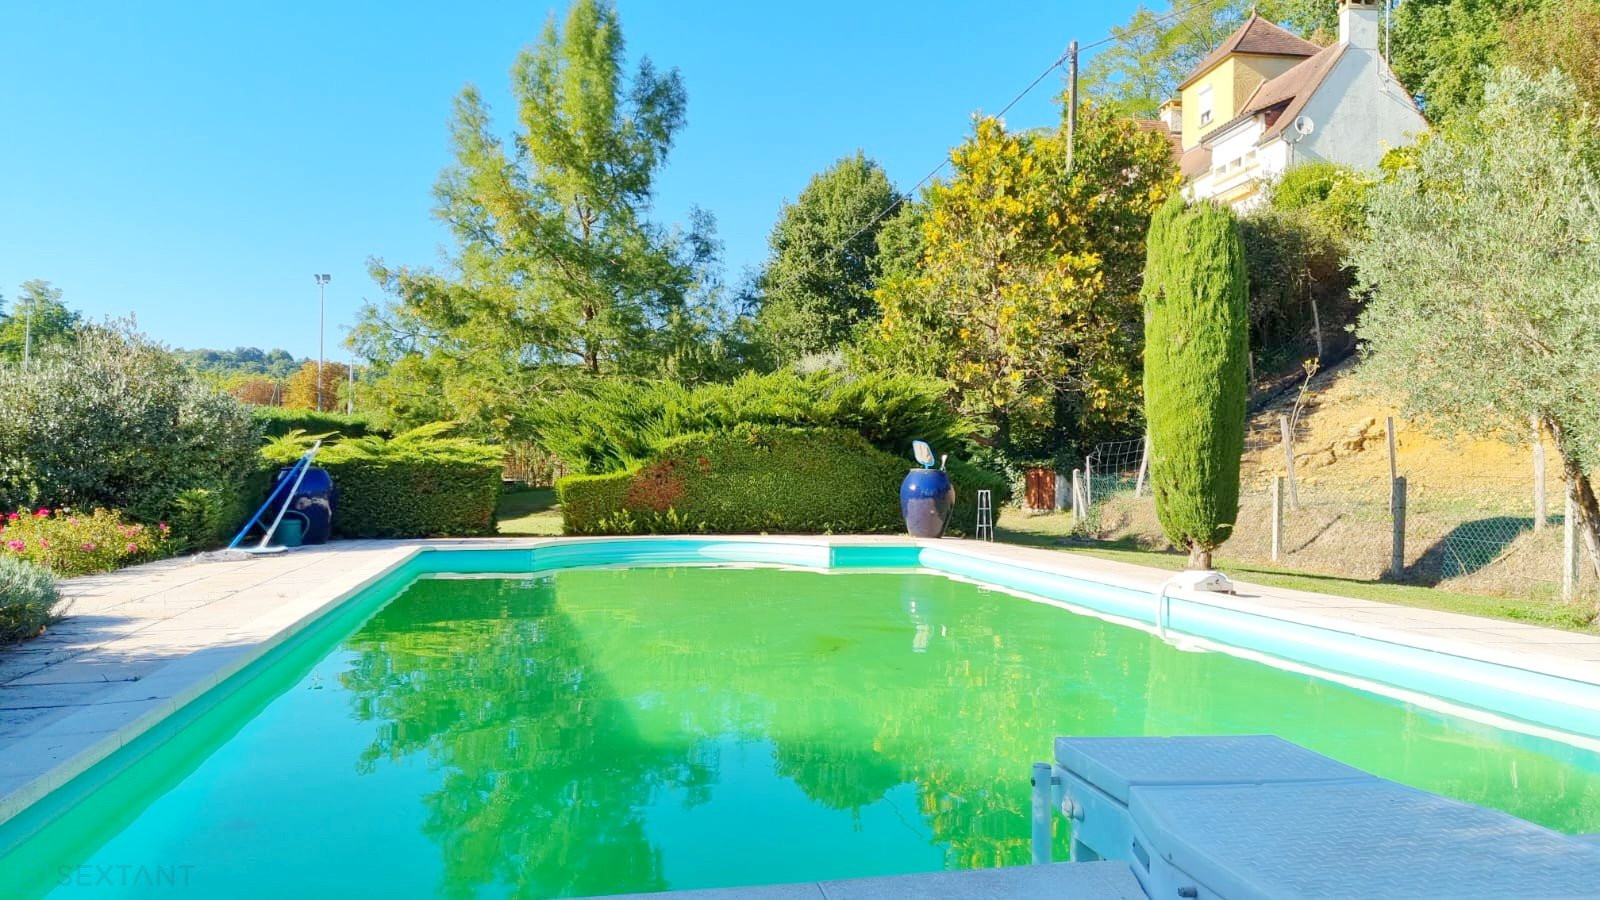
(1303, 126)
(923, 453)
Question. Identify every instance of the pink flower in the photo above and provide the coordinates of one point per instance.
(44, 544)
(17, 545)
(73, 520)
(13, 517)
(164, 527)
(133, 548)
(89, 547)
(41, 512)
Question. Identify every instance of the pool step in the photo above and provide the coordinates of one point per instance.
(1258, 817)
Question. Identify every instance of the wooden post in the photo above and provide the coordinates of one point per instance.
(1397, 543)
(1394, 463)
(1569, 547)
(1144, 467)
(1080, 510)
(1316, 327)
(1072, 104)
(1277, 517)
(1540, 509)
(1288, 460)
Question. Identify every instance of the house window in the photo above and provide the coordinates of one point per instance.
(1205, 105)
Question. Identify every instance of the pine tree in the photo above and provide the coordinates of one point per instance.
(1196, 341)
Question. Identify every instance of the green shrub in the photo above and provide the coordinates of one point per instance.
(28, 598)
(1196, 341)
(113, 420)
(752, 479)
(276, 421)
(968, 480)
(420, 483)
(615, 424)
(71, 543)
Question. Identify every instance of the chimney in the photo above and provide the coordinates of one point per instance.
(1358, 23)
(1172, 114)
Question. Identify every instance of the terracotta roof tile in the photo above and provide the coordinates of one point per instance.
(1196, 161)
(1174, 139)
(1256, 36)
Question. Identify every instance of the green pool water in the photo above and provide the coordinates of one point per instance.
(602, 730)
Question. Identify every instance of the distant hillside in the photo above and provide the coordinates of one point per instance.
(239, 361)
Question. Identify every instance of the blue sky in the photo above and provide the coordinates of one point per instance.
(194, 163)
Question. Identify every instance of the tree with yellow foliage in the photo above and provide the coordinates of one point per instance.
(301, 392)
(1026, 295)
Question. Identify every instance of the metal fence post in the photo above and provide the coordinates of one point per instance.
(1288, 460)
(1088, 481)
(1277, 517)
(1540, 506)
(1144, 467)
(1569, 547)
(1397, 506)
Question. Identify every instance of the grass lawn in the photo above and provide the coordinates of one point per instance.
(1054, 531)
(529, 511)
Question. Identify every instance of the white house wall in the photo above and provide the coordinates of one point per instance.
(1360, 115)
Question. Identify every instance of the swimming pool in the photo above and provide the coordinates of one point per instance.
(590, 730)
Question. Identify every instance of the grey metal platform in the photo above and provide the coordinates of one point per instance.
(1257, 817)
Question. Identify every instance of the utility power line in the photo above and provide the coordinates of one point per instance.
(1064, 57)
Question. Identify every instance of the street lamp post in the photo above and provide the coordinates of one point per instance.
(322, 316)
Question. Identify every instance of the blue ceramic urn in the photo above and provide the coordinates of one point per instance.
(926, 499)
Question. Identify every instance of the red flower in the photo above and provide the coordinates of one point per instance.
(133, 548)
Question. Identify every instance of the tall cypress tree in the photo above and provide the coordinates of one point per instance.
(1196, 341)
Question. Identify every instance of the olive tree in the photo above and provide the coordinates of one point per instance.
(1483, 265)
(1196, 329)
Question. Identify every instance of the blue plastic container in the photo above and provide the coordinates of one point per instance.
(315, 500)
(926, 500)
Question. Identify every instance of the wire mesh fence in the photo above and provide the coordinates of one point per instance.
(1114, 467)
(1484, 532)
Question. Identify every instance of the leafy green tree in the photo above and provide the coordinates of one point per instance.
(1195, 379)
(1564, 34)
(38, 319)
(1484, 273)
(1442, 50)
(817, 286)
(1155, 51)
(1025, 296)
(558, 271)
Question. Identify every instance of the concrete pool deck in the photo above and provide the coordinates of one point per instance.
(138, 643)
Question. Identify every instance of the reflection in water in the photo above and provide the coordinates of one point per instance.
(596, 731)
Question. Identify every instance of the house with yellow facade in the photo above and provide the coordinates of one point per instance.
(1266, 100)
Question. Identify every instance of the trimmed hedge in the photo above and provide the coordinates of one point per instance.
(413, 497)
(277, 421)
(758, 479)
